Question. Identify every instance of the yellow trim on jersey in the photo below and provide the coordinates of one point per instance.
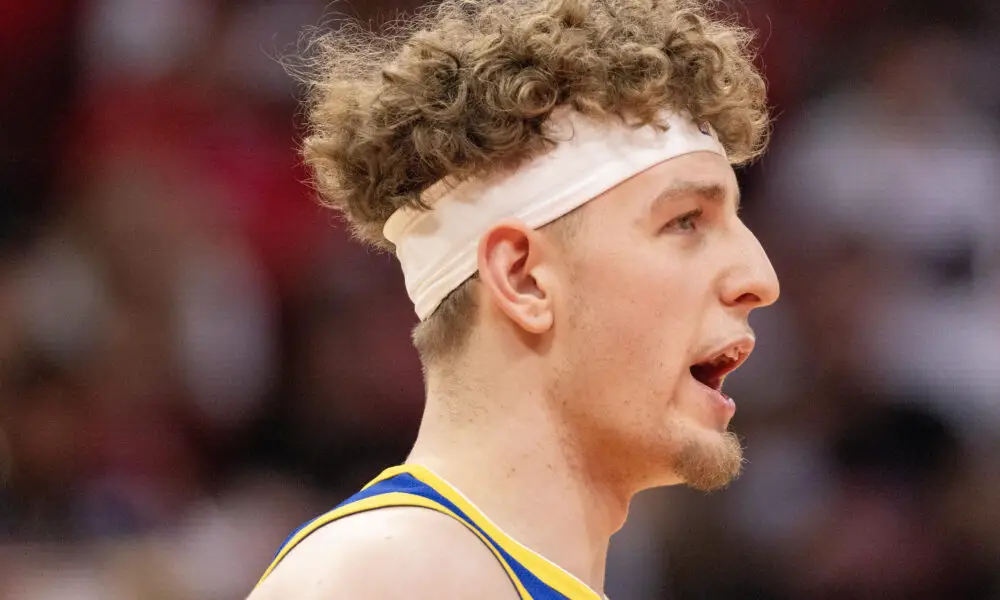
(385, 501)
(555, 577)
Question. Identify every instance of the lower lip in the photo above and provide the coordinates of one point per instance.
(720, 401)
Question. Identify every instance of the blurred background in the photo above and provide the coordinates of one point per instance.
(194, 358)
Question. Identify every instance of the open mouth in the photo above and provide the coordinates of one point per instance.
(712, 372)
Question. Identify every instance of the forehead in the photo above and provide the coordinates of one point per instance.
(701, 173)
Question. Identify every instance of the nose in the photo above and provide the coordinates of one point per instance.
(752, 283)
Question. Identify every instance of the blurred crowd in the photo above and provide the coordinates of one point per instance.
(195, 358)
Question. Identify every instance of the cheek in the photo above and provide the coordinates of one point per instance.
(633, 329)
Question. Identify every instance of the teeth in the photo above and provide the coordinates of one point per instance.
(730, 355)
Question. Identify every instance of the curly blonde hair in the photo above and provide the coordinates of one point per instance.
(464, 87)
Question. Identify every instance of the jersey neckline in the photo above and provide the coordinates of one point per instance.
(552, 574)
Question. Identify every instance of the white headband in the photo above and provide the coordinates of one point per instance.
(437, 248)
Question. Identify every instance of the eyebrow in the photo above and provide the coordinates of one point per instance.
(712, 192)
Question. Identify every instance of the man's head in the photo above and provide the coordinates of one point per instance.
(610, 306)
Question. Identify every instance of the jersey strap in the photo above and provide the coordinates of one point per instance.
(534, 577)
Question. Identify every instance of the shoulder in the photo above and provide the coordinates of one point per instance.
(398, 552)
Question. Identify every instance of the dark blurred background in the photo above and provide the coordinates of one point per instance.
(194, 358)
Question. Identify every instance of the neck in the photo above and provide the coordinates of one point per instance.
(509, 453)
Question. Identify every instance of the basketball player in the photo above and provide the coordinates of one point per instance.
(555, 178)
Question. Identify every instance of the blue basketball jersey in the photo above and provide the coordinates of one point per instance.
(534, 577)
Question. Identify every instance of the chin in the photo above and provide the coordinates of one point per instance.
(709, 462)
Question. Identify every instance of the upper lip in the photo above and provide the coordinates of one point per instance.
(740, 348)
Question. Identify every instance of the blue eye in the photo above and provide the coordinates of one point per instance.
(687, 222)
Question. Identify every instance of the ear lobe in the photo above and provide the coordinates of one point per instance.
(509, 258)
